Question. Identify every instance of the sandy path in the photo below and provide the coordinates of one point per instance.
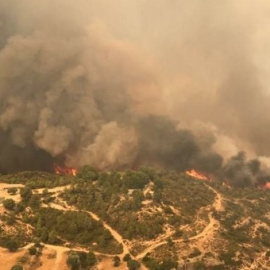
(114, 233)
(211, 226)
(52, 190)
(59, 255)
(55, 263)
(8, 259)
(217, 205)
(218, 200)
(60, 251)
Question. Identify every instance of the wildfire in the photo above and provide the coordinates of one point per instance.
(197, 175)
(65, 170)
(267, 185)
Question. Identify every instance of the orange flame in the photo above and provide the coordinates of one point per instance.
(65, 170)
(197, 175)
(267, 185)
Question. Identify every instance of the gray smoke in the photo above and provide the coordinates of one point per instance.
(241, 172)
(161, 143)
(69, 92)
(118, 85)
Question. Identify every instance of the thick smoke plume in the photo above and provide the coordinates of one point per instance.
(128, 83)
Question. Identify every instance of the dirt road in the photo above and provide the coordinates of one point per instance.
(211, 226)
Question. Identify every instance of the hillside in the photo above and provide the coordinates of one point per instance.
(164, 220)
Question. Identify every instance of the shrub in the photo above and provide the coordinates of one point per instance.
(12, 245)
(133, 265)
(127, 257)
(12, 191)
(9, 204)
(116, 261)
(196, 252)
(32, 250)
(16, 267)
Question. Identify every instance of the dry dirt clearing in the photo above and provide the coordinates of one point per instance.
(204, 234)
(5, 195)
(54, 257)
(51, 259)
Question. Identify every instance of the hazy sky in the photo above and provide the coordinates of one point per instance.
(76, 75)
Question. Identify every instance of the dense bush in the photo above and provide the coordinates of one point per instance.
(81, 260)
(133, 265)
(16, 267)
(9, 204)
(75, 227)
(88, 173)
(153, 264)
(36, 179)
(136, 180)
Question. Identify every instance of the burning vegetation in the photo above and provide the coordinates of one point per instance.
(193, 173)
(267, 185)
(65, 170)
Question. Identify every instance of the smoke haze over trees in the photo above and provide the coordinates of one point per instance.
(116, 85)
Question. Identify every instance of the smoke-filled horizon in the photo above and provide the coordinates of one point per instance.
(117, 84)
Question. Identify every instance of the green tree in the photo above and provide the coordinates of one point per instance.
(44, 235)
(170, 242)
(149, 171)
(133, 265)
(199, 266)
(157, 197)
(136, 180)
(73, 261)
(12, 191)
(91, 259)
(195, 253)
(32, 250)
(11, 219)
(127, 257)
(116, 261)
(88, 173)
(12, 245)
(178, 233)
(26, 193)
(137, 199)
(86, 259)
(52, 237)
(16, 267)
(34, 201)
(169, 264)
(19, 207)
(9, 204)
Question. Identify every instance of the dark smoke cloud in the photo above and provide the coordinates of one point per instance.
(117, 85)
(215, 56)
(241, 172)
(163, 144)
(70, 93)
(14, 158)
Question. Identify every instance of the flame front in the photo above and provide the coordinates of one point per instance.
(65, 170)
(197, 175)
(267, 185)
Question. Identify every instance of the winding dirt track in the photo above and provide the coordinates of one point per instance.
(211, 226)
(217, 205)
(114, 233)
